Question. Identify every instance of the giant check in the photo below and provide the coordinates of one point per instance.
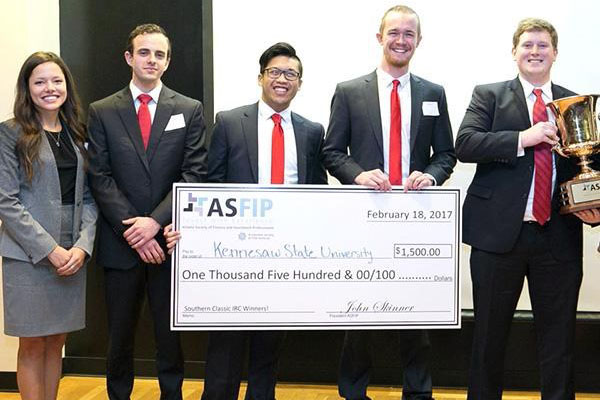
(315, 257)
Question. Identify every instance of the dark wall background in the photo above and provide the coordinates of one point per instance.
(93, 35)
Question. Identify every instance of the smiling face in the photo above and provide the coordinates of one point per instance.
(534, 55)
(148, 60)
(399, 39)
(47, 88)
(279, 92)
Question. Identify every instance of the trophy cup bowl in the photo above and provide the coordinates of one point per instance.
(577, 118)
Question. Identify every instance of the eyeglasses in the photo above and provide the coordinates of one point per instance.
(289, 74)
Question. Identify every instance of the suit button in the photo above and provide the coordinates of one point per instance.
(147, 183)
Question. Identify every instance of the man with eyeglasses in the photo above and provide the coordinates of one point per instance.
(263, 143)
(397, 130)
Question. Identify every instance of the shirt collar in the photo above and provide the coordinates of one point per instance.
(265, 112)
(386, 79)
(528, 88)
(154, 93)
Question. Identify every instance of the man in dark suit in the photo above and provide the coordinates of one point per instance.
(263, 143)
(397, 130)
(134, 161)
(511, 219)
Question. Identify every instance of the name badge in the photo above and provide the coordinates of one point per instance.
(430, 108)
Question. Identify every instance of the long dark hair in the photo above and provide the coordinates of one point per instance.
(28, 145)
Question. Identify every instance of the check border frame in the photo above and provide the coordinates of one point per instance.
(334, 325)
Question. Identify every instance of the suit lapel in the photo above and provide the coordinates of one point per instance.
(49, 173)
(558, 93)
(520, 102)
(520, 112)
(164, 110)
(250, 130)
(373, 111)
(301, 145)
(416, 100)
(126, 109)
(519, 99)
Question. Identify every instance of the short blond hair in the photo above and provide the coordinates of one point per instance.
(401, 9)
(535, 25)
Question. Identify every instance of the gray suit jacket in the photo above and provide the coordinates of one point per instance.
(354, 141)
(30, 212)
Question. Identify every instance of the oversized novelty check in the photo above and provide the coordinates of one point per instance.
(315, 257)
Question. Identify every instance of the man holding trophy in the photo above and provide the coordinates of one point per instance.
(517, 220)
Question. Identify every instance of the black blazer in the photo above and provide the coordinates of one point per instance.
(496, 199)
(355, 124)
(127, 181)
(233, 155)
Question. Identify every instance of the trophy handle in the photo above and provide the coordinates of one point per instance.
(557, 148)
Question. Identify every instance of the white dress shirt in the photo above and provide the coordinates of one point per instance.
(384, 86)
(265, 133)
(530, 98)
(154, 93)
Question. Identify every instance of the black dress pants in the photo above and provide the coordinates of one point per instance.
(553, 289)
(355, 365)
(225, 358)
(125, 294)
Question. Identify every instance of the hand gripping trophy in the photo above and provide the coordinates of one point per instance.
(577, 118)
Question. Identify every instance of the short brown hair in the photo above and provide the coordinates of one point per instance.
(143, 30)
(535, 25)
(401, 9)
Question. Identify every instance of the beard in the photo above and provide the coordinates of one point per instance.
(397, 62)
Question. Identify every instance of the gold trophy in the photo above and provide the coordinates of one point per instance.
(577, 118)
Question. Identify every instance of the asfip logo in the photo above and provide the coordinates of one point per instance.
(591, 187)
(243, 207)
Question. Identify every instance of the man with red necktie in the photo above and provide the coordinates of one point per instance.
(511, 219)
(389, 127)
(264, 143)
(143, 138)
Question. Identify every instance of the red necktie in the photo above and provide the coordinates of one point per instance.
(543, 166)
(144, 118)
(395, 160)
(277, 147)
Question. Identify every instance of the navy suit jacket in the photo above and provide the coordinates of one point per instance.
(355, 125)
(128, 181)
(496, 199)
(233, 155)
